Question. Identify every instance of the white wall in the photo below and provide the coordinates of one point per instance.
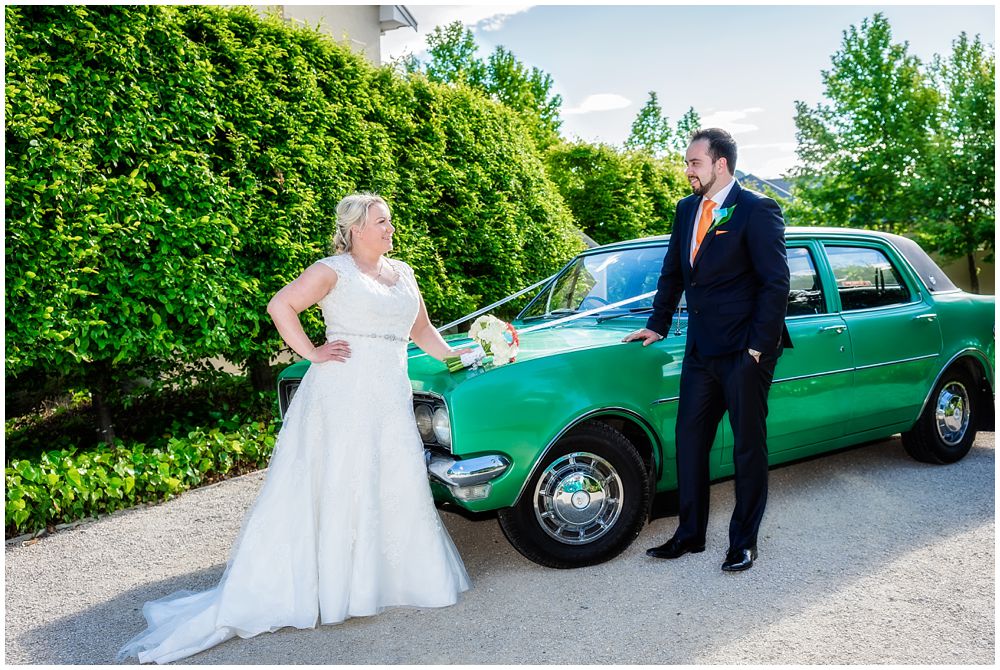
(958, 272)
(357, 26)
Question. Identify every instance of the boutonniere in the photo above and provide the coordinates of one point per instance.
(720, 216)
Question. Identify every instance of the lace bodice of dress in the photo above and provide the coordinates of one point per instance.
(360, 305)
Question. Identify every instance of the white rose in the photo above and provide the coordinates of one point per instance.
(503, 353)
(477, 326)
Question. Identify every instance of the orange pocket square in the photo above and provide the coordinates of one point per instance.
(721, 232)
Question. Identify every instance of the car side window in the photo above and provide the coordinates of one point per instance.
(805, 295)
(866, 278)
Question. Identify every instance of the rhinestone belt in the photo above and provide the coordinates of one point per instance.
(391, 338)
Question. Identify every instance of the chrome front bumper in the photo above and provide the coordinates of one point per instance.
(468, 479)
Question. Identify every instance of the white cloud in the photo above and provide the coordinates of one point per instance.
(775, 167)
(730, 120)
(496, 22)
(486, 18)
(767, 159)
(599, 102)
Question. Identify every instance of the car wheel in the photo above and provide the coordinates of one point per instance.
(946, 429)
(585, 504)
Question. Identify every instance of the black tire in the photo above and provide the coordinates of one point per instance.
(946, 429)
(595, 526)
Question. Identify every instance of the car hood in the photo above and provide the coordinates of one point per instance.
(429, 374)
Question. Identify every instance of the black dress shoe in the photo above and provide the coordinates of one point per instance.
(738, 560)
(674, 548)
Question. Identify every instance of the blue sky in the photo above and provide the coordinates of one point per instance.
(741, 67)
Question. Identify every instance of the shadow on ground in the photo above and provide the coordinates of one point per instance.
(851, 570)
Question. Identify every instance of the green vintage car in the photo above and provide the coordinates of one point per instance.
(570, 444)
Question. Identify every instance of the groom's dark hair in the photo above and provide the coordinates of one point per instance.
(720, 145)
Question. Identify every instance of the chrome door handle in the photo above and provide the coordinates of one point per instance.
(839, 329)
(929, 317)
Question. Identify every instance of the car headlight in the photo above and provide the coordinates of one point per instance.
(425, 422)
(442, 426)
(286, 391)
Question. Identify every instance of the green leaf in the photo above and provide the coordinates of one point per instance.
(74, 475)
(29, 472)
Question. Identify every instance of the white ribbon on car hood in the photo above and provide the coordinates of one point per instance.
(483, 310)
(589, 312)
(571, 317)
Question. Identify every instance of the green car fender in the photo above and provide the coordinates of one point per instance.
(521, 410)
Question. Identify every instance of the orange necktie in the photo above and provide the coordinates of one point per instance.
(703, 225)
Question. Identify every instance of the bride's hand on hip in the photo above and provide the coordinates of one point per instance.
(338, 350)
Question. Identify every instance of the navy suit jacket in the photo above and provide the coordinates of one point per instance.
(737, 288)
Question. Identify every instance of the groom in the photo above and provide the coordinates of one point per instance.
(727, 254)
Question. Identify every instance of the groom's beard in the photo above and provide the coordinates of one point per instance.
(702, 189)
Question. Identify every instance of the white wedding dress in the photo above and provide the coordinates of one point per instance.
(344, 524)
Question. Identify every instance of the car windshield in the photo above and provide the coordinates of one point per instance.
(599, 279)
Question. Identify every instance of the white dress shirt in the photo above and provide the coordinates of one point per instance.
(718, 199)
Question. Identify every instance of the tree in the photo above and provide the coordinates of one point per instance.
(452, 60)
(120, 233)
(651, 131)
(475, 213)
(169, 168)
(292, 139)
(616, 195)
(452, 57)
(958, 170)
(861, 150)
(526, 91)
(686, 127)
(311, 121)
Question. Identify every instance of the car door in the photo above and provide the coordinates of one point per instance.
(810, 399)
(894, 332)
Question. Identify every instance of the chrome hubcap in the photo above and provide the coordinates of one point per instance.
(952, 413)
(578, 498)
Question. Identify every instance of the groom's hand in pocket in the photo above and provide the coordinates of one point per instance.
(645, 334)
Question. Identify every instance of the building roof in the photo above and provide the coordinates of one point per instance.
(781, 187)
(395, 16)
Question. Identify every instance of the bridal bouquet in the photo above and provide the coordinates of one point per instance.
(494, 338)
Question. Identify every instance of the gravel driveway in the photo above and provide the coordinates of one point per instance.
(865, 557)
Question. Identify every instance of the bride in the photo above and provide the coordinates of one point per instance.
(344, 524)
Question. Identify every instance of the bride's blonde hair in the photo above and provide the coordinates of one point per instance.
(352, 211)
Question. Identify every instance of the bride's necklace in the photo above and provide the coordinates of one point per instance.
(375, 276)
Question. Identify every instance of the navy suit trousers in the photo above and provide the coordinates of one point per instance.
(709, 386)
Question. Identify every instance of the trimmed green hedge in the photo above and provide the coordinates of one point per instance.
(64, 486)
(170, 168)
